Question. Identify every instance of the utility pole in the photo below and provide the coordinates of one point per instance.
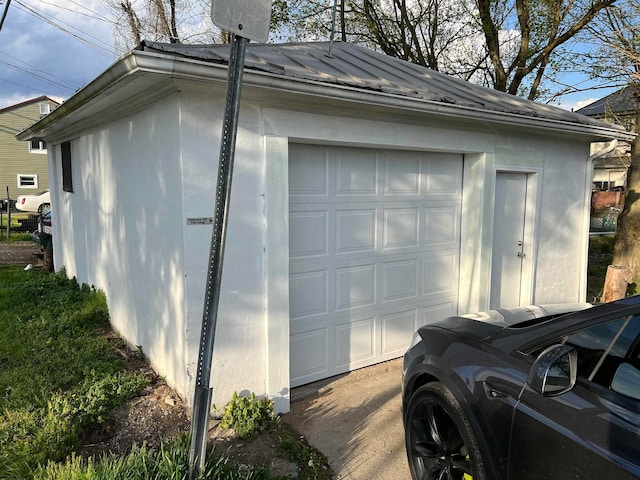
(4, 14)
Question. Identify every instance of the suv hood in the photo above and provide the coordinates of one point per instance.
(507, 317)
(482, 325)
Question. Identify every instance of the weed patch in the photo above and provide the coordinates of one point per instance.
(249, 416)
(58, 372)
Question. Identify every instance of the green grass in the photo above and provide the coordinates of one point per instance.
(16, 221)
(15, 237)
(169, 463)
(60, 376)
(312, 464)
(58, 372)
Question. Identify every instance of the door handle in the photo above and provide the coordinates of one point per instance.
(521, 255)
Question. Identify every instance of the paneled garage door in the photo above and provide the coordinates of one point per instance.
(374, 242)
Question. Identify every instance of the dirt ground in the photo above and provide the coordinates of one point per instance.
(158, 413)
(20, 253)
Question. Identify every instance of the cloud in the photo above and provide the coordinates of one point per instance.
(576, 104)
(38, 58)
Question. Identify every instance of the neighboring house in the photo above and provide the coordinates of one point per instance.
(370, 196)
(23, 164)
(611, 162)
(610, 170)
(618, 108)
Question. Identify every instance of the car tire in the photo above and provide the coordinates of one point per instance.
(439, 439)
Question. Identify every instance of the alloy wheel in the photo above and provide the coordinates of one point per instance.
(437, 449)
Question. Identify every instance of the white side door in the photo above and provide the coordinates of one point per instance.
(509, 246)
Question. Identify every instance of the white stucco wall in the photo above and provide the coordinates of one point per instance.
(252, 339)
(240, 341)
(119, 230)
(561, 216)
(137, 181)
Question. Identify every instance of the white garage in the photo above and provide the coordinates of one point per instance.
(367, 200)
(374, 243)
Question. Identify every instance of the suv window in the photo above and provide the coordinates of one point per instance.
(601, 349)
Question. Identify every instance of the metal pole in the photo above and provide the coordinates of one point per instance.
(4, 15)
(333, 27)
(8, 213)
(203, 393)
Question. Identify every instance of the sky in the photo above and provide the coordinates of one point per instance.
(54, 47)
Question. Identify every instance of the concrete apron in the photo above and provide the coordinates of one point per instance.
(355, 419)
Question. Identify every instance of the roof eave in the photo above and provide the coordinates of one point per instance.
(139, 62)
(345, 93)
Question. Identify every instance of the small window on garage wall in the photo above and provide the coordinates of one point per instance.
(37, 145)
(27, 180)
(67, 180)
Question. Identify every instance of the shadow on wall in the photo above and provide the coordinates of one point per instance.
(127, 222)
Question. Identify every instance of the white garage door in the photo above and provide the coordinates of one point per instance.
(374, 242)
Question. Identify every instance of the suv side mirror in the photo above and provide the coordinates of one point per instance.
(627, 381)
(554, 371)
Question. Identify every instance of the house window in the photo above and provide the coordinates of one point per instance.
(603, 186)
(37, 145)
(27, 180)
(45, 108)
(67, 180)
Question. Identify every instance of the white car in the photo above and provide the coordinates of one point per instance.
(34, 203)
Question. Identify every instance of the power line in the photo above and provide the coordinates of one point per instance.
(45, 18)
(8, 129)
(39, 77)
(38, 70)
(95, 15)
(41, 16)
(30, 87)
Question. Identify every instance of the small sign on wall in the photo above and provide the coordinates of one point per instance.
(246, 18)
(200, 221)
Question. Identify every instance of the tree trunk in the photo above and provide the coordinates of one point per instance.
(134, 21)
(615, 284)
(626, 251)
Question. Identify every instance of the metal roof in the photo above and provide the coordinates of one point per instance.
(358, 67)
(351, 74)
(623, 101)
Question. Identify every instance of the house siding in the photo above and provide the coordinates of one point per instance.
(15, 157)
